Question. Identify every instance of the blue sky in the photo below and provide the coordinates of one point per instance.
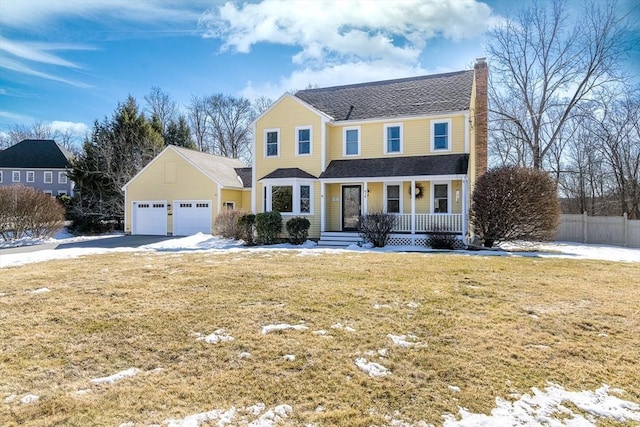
(68, 63)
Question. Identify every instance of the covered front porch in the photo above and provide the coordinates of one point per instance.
(420, 206)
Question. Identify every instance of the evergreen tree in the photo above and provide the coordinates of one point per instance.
(178, 133)
(116, 150)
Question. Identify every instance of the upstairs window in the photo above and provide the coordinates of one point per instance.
(393, 139)
(31, 175)
(440, 135)
(352, 141)
(48, 177)
(0, 176)
(272, 140)
(303, 141)
(62, 177)
(15, 176)
(441, 198)
(393, 199)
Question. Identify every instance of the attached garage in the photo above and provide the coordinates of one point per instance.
(149, 217)
(192, 216)
(181, 192)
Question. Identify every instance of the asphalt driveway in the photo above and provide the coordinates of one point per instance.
(108, 242)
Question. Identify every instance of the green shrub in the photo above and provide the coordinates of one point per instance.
(226, 224)
(375, 227)
(246, 223)
(268, 227)
(298, 229)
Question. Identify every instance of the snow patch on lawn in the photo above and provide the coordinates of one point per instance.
(241, 416)
(405, 341)
(219, 335)
(116, 377)
(371, 368)
(281, 327)
(545, 407)
(40, 291)
(29, 398)
(343, 327)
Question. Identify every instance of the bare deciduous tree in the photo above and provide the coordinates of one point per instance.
(199, 122)
(161, 107)
(230, 125)
(544, 65)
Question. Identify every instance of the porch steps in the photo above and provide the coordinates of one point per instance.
(337, 239)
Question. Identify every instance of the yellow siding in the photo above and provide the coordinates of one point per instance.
(286, 116)
(235, 196)
(416, 138)
(246, 200)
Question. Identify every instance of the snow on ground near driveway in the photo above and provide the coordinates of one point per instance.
(202, 242)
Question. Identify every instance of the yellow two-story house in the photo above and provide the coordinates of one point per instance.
(410, 147)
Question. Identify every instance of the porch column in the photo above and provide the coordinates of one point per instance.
(465, 207)
(413, 206)
(322, 207)
(365, 189)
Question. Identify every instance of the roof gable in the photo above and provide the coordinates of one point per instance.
(430, 94)
(221, 170)
(36, 154)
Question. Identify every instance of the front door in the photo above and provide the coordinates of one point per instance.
(351, 207)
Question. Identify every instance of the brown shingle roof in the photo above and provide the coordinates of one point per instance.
(448, 164)
(392, 98)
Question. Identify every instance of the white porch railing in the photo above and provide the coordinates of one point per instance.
(428, 222)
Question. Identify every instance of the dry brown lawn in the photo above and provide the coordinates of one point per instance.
(494, 327)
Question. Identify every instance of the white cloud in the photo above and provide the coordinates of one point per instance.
(17, 66)
(74, 128)
(342, 42)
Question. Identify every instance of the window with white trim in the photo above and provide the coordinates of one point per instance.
(0, 176)
(441, 198)
(62, 193)
(305, 199)
(62, 177)
(393, 199)
(48, 177)
(48, 192)
(31, 176)
(15, 176)
(441, 135)
(392, 138)
(290, 197)
(351, 137)
(229, 205)
(272, 142)
(303, 141)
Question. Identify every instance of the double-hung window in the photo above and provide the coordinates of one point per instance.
(441, 135)
(393, 198)
(0, 176)
(272, 142)
(48, 177)
(289, 198)
(303, 141)
(393, 139)
(31, 176)
(62, 177)
(15, 176)
(351, 138)
(440, 198)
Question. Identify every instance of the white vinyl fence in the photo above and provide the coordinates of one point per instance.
(607, 230)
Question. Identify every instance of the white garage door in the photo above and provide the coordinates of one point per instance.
(150, 217)
(191, 217)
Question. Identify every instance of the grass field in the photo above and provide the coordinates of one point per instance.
(475, 328)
